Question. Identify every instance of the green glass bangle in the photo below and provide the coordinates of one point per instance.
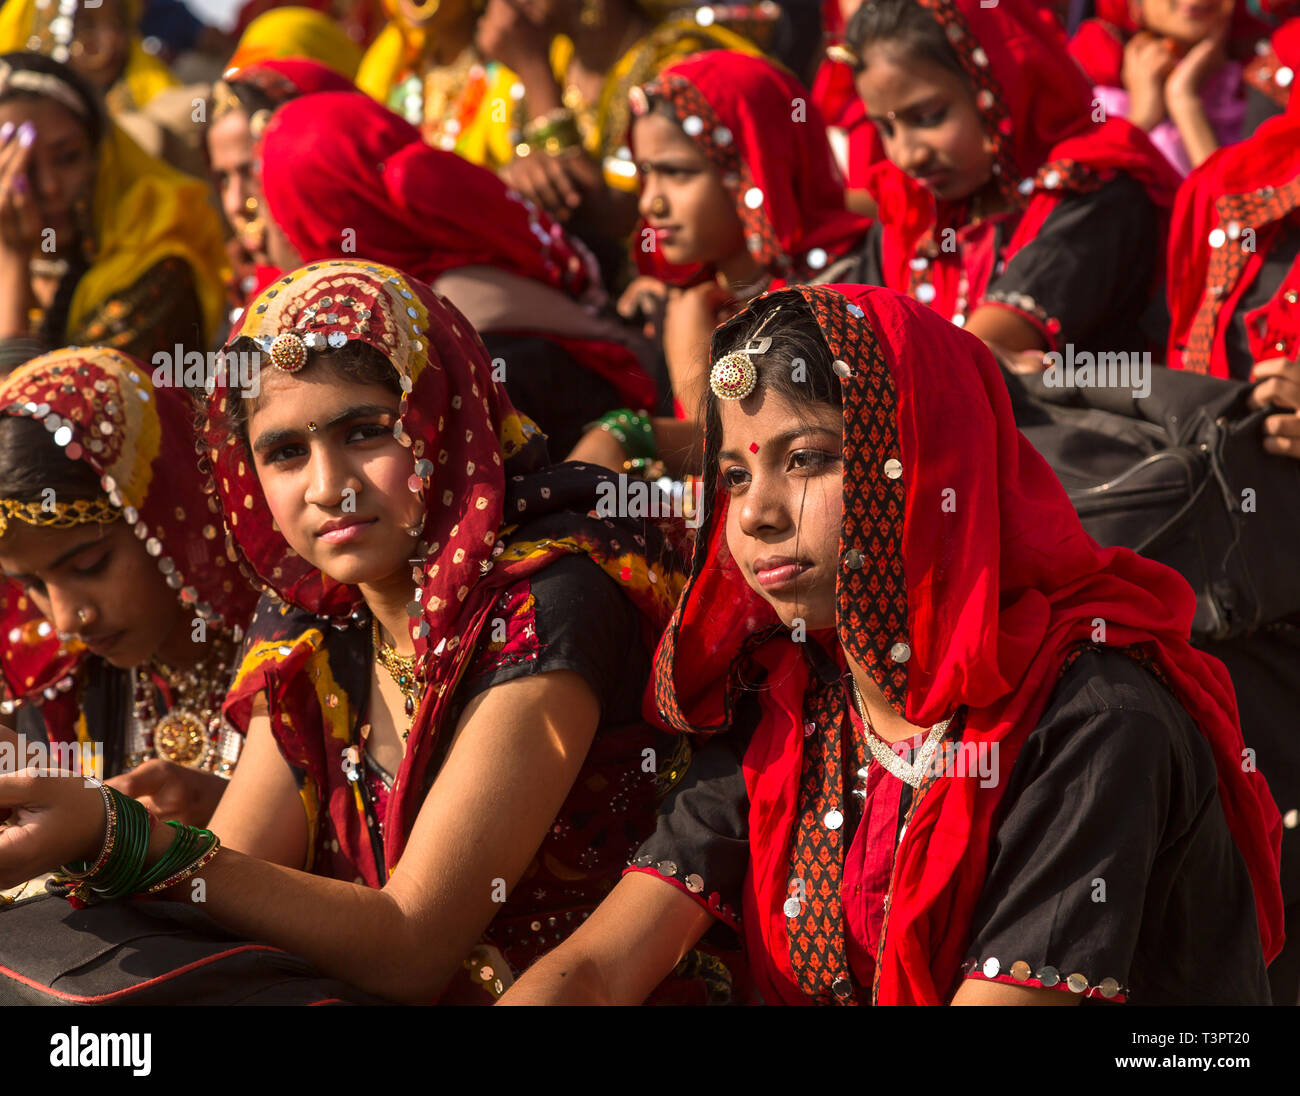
(632, 430)
(189, 844)
(126, 863)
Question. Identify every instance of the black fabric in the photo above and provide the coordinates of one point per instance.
(106, 700)
(586, 624)
(1265, 670)
(1092, 265)
(548, 386)
(116, 948)
(1115, 782)
(1277, 263)
(1179, 476)
(1259, 109)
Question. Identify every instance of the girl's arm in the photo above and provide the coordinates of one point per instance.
(514, 756)
(632, 942)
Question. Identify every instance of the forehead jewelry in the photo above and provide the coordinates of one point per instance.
(733, 376)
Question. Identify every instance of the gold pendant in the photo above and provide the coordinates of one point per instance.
(181, 737)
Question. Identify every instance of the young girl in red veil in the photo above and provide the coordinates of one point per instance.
(1233, 290)
(341, 174)
(1005, 204)
(890, 589)
(739, 193)
(1175, 70)
(446, 764)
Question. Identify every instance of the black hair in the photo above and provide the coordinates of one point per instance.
(92, 117)
(797, 366)
(30, 463)
(906, 25)
(356, 361)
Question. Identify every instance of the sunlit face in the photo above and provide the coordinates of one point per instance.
(928, 122)
(97, 583)
(1185, 21)
(230, 154)
(691, 216)
(338, 493)
(62, 166)
(100, 43)
(783, 520)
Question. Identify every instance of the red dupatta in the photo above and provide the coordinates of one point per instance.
(767, 142)
(975, 606)
(103, 409)
(1036, 108)
(1229, 213)
(1098, 43)
(342, 173)
(479, 468)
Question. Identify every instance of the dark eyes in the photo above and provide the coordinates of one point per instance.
(927, 120)
(292, 450)
(806, 462)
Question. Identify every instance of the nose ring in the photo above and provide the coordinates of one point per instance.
(659, 206)
(84, 616)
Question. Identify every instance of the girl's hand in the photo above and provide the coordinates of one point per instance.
(645, 298)
(1279, 385)
(515, 34)
(556, 183)
(1183, 88)
(172, 792)
(48, 821)
(20, 227)
(1147, 62)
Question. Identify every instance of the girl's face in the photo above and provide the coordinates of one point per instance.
(1185, 21)
(62, 165)
(230, 154)
(781, 467)
(95, 582)
(692, 217)
(101, 43)
(928, 122)
(338, 492)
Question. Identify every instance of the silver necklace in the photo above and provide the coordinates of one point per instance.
(909, 774)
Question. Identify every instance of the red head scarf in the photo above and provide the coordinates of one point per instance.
(102, 408)
(479, 468)
(975, 608)
(280, 80)
(338, 163)
(766, 140)
(1253, 186)
(1098, 44)
(1036, 108)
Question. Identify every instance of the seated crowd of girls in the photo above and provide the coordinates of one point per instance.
(326, 616)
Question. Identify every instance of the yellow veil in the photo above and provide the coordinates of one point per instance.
(144, 76)
(297, 32)
(145, 211)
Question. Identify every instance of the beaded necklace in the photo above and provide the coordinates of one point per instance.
(192, 732)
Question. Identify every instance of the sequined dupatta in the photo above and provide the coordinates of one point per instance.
(972, 608)
(494, 512)
(102, 408)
